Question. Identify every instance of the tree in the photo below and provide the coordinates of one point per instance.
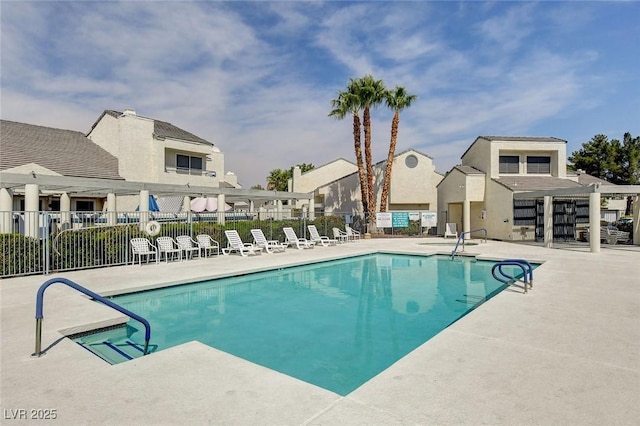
(597, 157)
(348, 102)
(304, 167)
(628, 160)
(278, 179)
(396, 99)
(257, 186)
(612, 161)
(371, 93)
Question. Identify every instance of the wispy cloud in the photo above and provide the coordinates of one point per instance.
(256, 78)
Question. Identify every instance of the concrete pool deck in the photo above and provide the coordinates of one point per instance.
(568, 352)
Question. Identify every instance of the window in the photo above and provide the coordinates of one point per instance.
(84, 206)
(538, 165)
(189, 165)
(411, 161)
(509, 164)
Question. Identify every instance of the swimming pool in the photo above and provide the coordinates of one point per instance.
(334, 324)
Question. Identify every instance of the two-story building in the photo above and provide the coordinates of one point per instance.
(337, 187)
(150, 150)
(479, 192)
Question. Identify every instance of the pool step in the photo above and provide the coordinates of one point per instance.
(112, 348)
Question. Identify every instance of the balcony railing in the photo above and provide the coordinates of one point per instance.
(189, 172)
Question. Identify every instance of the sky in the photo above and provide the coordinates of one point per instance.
(257, 78)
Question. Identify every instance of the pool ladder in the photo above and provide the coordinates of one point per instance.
(460, 238)
(503, 277)
(97, 298)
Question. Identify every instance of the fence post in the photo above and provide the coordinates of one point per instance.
(46, 249)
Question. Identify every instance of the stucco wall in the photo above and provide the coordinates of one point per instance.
(451, 192)
(555, 150)
(309, 181)
(106, 134)
(413, 185)
(342, 196)
(478, 155)
(143, 158)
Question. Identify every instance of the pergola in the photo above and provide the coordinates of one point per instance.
(594, 193)
(32, 184)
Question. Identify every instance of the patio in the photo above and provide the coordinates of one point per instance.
(568, 352)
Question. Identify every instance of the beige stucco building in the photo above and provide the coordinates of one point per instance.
(479, 192)
(151, 150)
(337, 188)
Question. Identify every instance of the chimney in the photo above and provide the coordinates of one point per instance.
(129, 111)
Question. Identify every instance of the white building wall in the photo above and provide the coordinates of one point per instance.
(413, 183)
(412, 188)
(479, 156)
(106, 134)
(309, 181)
(143, 158)
(555, 150)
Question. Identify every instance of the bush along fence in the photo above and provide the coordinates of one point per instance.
(55, 241)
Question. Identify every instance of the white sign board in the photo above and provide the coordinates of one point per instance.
(429, 219)
(383, 220)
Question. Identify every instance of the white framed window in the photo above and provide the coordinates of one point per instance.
(509, 164)
(538, 165)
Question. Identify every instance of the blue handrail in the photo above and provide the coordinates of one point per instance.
(528, 267)
(455, 250)
(97, 297)
(507, 279)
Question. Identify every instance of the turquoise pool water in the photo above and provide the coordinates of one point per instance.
(334, 324)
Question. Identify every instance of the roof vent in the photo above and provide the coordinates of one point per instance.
(129, 111)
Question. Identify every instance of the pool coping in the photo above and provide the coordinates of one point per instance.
(519, 359)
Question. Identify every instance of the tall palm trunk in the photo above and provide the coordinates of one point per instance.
(387, 172)
(361, 174)
(367, 156)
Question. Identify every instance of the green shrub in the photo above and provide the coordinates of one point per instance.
(20, 255)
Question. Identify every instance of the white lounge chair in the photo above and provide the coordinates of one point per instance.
(292, 239)
(269, 246)
(352, 234)
(234, 243)
(451, 230)
(188, 246)
(320, 239)
(143, 247)
(612, 236)
(168, 246)
(207, 244)
(339, 235)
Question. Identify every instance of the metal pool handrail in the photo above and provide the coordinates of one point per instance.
(455, 250)
(527, 272)
(528, 266)
(97, 297)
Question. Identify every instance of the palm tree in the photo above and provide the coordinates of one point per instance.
(278, 180)
(397, 99)
(371, 93)
(348, 102)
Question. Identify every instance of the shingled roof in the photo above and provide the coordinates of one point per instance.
(66, 152)
(163, 129)
(535, 183)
